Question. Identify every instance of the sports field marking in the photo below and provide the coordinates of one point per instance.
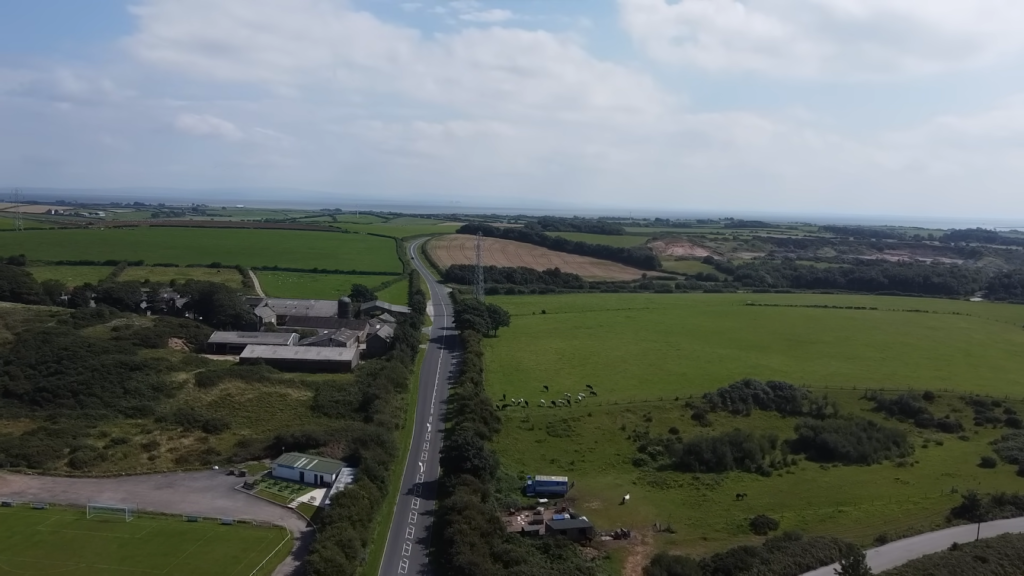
(258, 548)
(72, 566)
(180, 558)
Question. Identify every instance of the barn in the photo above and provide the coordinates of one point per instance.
(236, 342)
(307, 469)
(378, 307)
(302, 358)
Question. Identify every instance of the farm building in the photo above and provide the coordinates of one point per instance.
(546, 485)
(333, 339)
(302, 358)
(236, 342)
(315, 314)
(575, 529)
(379, 342)
(307, 469)
(381, 307)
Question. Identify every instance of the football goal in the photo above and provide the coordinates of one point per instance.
(109, 511)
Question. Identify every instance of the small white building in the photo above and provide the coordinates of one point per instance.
(307, 469)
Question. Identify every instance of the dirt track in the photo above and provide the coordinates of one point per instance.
(461, 249)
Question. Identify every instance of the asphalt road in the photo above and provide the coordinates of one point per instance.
(902, 551)
(408, 537)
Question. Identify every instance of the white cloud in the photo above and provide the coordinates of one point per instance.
(206, 125)
(411, 6)
(65, 86)
(839, 38)
(488, 16)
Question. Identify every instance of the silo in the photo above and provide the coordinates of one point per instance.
(344, 308)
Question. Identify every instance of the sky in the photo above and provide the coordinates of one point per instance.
(880, 107)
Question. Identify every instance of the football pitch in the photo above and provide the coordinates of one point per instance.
(65, 541)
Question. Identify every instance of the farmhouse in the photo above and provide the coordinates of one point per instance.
(307, 469)
(315, 314)
(236, 342)
(302, 358)
(381, 307)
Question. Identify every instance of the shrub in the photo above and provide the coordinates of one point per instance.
(849, 440)
(1014, 422)
(1010, 447)
(762, 525)
(735, 450)
(949, 426)
(988, 462)
(745, 396)
(673, 431)
(928, 396)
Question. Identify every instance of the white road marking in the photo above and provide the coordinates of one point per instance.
(426, 445)
(417, 489)
(410, 532)
(413, 517)
(406, 548)
(403, 566)
(415, 503)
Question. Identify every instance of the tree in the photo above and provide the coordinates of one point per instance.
(19, 286)
(19, 260)
(81, 296)
(361, 293)
(498, 317)
(854, 564)
(52, 291)
(123, 296)
(218, 305)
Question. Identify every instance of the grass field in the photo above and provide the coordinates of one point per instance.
(686, 266)
(65, 541)
(7, 223)
(389, 228)
(646, 355)
(359, 218)
(622, 241)
(460, 249)
(397, 293)
(71, 275)
(201, 246)
(227, 276)
(315, 286)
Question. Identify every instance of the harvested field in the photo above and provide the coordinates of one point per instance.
(461, 249)
(29, 208)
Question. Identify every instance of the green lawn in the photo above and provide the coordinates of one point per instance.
(315, 286)
(645, 355)
(65, 541)
(7, 223)
(402, 231)
(292, 248)
(358, 218)
(621, 241)
(397, 293)
(71, 275)
(686, 266)
(227, 276)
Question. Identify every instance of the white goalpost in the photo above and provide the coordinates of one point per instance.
(108, 510)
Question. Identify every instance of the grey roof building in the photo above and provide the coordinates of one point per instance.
(379, 342)
(302, 358)
(382, 307)
(575, 529)
(315, 470)
(236, 342)
(333, 338)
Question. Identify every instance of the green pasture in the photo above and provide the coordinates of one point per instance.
(7, 223)
(358, 218)
(291, 248)
(315, 286)
(646, 355)
(162, 274)
(71, 275)
(65, 541)
(397, 293)
(620, 241)
(590, 444)
(686, 266)
(402, 231)
(633, 346)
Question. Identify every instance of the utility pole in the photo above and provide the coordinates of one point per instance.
(19, 225)
(478, 286)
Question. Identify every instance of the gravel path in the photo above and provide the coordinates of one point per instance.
(256, 284)
(208, 493)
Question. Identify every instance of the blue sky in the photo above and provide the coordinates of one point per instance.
(859, 106)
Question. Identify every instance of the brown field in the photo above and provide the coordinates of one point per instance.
(461, 249)
(28, 208)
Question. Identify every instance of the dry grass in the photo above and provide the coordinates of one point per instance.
(461, 249)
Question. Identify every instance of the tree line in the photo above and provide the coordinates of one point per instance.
(468, 537)
(638, 256)
(584, 225)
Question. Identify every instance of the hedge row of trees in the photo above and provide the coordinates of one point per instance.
(637, 257)
(465, 274)
(370, 413)
(747, 395)
(912, 408)
(468, 537)
(584, 225)
(850, 440)
(475, 316)
(789, 554)
(980, 236)
(999, 556)
(736, 450)
(18, 285)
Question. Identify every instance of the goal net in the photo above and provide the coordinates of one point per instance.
(109, 511)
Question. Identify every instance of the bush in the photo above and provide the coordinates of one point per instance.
(665, 564)
(761, 525)
(673, 431)
(1010, 447)
(788, 554)
(735, 450)
(745, 396)
(928, 396)
(988, 462)
(850, 440)
(1014, 422)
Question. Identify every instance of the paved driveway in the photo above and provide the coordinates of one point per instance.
(208, 493)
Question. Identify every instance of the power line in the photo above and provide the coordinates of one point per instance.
(478, 286)
(19, 225)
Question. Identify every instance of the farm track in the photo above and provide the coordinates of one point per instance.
(461, 249)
